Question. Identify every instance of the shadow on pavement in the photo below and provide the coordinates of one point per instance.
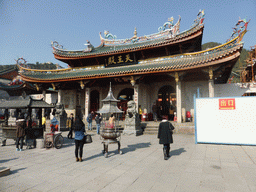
(127, 149)
(177, 152)
(130, 148)
(6, 160)
(16, 171)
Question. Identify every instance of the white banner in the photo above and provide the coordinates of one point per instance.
(226, 120)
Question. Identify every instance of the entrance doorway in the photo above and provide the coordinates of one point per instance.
(166, 102)
(94, 100)
(124, 96)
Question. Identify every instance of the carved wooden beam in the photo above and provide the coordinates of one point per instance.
(53, 86)
(177, 75)
(83, 83)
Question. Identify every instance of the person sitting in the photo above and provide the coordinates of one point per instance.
(111, 121)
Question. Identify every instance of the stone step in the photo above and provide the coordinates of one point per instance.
(4, 171)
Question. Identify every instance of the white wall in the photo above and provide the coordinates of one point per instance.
(228, 126)
(229, 90)
(189, 89)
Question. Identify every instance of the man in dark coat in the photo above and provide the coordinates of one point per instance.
(165, 136)
(20, 132)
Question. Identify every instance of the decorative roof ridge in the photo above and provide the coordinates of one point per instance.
(171, 32)
(110, 40)
(168, 30)
(235, 41)
(150, 44)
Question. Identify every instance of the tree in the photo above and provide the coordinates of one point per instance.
(239, 64)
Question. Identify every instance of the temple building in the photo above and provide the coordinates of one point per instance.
(166, 68)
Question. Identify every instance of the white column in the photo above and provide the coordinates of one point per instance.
(59, 96)
(44, 95)
(136, 96)
(211, 83)
(87, 100)
(211, 88)
(178, 97)
(44, 99)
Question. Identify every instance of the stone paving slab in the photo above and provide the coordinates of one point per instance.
(141, 167)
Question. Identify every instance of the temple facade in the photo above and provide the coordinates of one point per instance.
(167, 68)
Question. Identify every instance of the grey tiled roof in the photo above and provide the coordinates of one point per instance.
(106, 50)
(20, 102)
(163, 64)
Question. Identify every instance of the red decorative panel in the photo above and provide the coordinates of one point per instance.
(227, 104)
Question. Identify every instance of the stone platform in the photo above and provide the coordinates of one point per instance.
(151, 127)
(141, 168)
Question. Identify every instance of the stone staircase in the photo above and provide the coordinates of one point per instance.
(184, 128)
(151, 127)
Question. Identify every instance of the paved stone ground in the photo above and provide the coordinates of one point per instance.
(141, 167)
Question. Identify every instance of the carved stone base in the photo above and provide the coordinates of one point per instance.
(132, 126)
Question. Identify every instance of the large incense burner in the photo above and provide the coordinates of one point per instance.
(109, 135)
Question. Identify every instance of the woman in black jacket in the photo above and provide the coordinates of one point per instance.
(165, 136)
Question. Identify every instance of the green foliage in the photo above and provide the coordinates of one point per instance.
(6, 67)
(210, 45)
(239, 64)
(44, 66)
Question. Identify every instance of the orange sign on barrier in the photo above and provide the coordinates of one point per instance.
(227, 104)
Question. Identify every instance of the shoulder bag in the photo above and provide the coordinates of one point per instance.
(87, 139)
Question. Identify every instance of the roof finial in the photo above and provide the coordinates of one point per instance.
(135, 33)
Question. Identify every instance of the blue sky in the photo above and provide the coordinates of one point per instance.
(27, 27)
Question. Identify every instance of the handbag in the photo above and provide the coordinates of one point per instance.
(87, 139)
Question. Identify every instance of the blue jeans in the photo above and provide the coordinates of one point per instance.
(98, 128)
(19, 141)
(90, 126)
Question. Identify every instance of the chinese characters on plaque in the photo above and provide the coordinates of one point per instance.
(119, 59)
(227, 104)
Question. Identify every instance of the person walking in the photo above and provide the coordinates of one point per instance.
(79, 138)
(70, 125)
(20, 132)
(154, 109)
(98, 121)
(120, 116)
(165, 132)
(89, 120)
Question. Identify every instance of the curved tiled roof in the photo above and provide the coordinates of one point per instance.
(9, 69)
(217, 55)
(107, 50)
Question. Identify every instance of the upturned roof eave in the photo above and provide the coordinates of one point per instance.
(147, 72)
(166, 42)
